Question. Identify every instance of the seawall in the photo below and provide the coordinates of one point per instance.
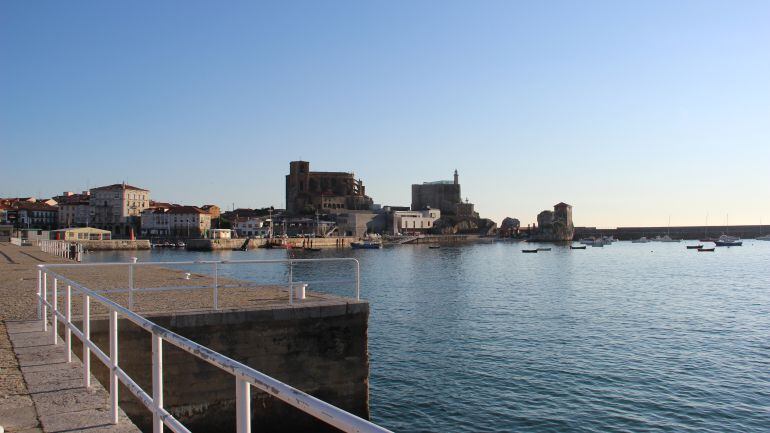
(115, 244)
(230, 244)
(321, 350)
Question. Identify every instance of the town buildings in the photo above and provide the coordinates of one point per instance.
(251, 226)
(118, 207)
(308, 191)
(188, 222)
(38, 215)
(74, 209)
(414, 222)
(443, 195)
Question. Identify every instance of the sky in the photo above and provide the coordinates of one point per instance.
(632, 112)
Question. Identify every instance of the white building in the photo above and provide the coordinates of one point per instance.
(414, 221)
(250, 226)
(155, 222)
(188, 222)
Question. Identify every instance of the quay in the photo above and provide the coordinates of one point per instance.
(317, 345)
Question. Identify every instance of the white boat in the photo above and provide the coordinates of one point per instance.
(587, 241)
(641, 240)
(728, 241)
(666, 238)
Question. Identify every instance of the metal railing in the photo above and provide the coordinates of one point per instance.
(64, 249)
(245, 376)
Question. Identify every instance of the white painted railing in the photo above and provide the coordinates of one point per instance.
(245, 376)
(16, 241)
(64, 249)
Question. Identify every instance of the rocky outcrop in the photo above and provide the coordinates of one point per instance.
(451, 225)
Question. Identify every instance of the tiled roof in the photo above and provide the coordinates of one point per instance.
(186, 210)
(120, 186)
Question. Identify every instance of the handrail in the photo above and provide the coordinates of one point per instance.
(245, 376)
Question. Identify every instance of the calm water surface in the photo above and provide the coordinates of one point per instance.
(629, 337)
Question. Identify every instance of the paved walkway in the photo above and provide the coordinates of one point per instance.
(62, 402)
(38, 390)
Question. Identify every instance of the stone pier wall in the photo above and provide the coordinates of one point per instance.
(321, 350)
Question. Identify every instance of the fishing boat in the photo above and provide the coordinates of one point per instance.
(544, 249)
(705, 250)
(598, 243)
(728, 241)
(641, 240)
(666, 238)
(587, 241)
(366, 245)
(573, 247)
(694, 247)
(528, 251)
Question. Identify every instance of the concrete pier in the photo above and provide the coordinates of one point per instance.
(318, 344)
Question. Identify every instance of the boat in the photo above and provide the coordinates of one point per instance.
(764, 238)
(311, 249)
(528, 251)
(434, 247)
(705, 250)
(728, 241)
(180, 244)
(598, 243)
(641, 240)
(694, 247)
(587, 241)
(366, 245)
(544, 249)
(666, 238)
(573, 247)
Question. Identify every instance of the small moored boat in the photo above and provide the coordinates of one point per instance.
(694, 247)
(573, 247)
(528, 251)
(366, 245)
(705, 250)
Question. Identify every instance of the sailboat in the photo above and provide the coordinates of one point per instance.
(667, 237)
(762, 237)
(726, 240)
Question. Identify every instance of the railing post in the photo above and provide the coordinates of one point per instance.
(54, 310)
(242, 406)
(68, 317)
(291, 282)
(114, 366)
(216, 287)
(157, 383)
(86, 339)
(358, 281)
(131, 284)
(39, 294)
(45, 298)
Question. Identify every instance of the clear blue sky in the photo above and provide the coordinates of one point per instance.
(630, 111)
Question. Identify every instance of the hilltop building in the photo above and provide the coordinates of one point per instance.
(308, 191)
(443, 195)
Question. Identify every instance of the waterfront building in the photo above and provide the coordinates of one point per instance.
(250, 226)
(465, 210)
(118, 207)
(154, 221)
(359, 223)
(36, 215)
(443, 195)
(220, 234)
(212, 210)
(188, 222)
(81, 234)
(308, 191)
(409, 222)
(74, 209)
